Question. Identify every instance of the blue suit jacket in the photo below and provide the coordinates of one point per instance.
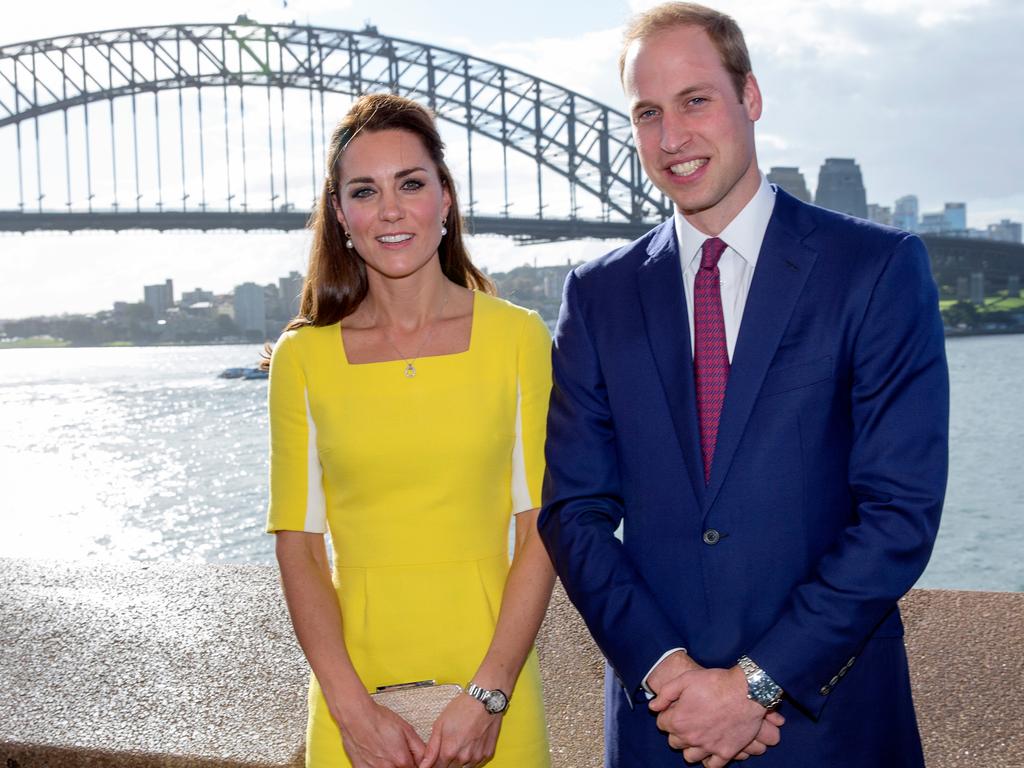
(825, 493)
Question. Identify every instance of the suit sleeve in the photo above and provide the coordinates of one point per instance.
(297, 500)
(897, 478)
(583, 508)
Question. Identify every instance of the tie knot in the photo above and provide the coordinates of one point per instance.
(711, 252)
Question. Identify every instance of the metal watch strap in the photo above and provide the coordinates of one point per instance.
(495, 702)
(760, 687)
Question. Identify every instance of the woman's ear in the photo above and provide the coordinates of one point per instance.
(336, 205)
(447, 198)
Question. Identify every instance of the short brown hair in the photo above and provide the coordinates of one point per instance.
(723, 30)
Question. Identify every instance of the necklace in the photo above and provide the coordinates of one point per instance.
(410, 362)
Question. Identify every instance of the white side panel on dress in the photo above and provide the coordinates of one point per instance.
(521, 500)
(316, 504)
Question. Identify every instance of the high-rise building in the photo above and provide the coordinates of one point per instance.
(1006, 230)
(272, 301)
(791, 180)
(905, 212)
(160, 297)
(196, 297)
(880, 214)
(955, 217)
(932, 223)
(291, 292)
(250, 308)
(951, 220)
(841, 187)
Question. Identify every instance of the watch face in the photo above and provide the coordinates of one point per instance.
(496, 702)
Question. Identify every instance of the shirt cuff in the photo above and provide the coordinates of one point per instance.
(665, 655)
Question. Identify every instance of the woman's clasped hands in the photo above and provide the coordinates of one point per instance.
(465, 734)
(375, 737)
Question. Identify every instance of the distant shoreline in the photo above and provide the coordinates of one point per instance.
(951, 333)
(955, 333)
(56, 344)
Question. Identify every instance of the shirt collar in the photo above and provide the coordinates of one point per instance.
(744, 234)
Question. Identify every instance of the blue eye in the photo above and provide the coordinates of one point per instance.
(361, 192)
(647, 114)
(412, 184)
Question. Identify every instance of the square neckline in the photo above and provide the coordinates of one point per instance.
(404, 361)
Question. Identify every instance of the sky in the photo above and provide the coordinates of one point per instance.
(925, 94)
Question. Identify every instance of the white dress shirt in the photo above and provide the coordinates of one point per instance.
(743, 238)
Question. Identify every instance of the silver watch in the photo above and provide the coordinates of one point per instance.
(494, 701)
(760, 687)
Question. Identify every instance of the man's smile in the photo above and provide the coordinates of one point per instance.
(689, 167)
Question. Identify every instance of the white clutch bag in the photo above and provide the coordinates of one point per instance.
(419, 704)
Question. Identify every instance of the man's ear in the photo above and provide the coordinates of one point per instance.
(752, 97)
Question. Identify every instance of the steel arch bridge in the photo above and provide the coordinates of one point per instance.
(155, 120)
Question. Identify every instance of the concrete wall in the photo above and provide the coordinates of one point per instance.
(191, 665)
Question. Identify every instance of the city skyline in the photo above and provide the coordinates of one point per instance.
(861, 80)
(282, 253)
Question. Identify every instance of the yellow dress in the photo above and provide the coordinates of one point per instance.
(416, 479)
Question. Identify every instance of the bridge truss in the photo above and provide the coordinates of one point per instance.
(225, 126)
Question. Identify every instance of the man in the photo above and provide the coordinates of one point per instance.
(757, 391)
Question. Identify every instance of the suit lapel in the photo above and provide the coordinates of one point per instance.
(663, 302)
(782, 270)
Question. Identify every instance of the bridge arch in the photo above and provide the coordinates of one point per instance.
(586, 143)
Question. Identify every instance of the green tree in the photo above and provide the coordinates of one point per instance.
(963, 314)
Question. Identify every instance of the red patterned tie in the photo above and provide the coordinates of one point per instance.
(710, 353)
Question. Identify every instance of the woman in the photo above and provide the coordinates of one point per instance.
(407, 410)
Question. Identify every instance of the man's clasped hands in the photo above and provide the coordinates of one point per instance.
(707, 714)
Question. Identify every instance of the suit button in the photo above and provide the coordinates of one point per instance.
(711, 536)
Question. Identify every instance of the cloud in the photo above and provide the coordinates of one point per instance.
(586, 63)
(64, 17)
(924, 93)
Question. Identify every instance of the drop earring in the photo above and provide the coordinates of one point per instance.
(444, 229)
(348, 240)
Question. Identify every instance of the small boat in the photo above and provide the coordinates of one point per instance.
(243, 373)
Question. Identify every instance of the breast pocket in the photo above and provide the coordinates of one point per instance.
(792, 376)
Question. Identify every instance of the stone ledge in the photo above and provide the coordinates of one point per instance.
(113, 665)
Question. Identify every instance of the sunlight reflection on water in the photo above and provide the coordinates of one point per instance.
(133, 453)
(143, 453)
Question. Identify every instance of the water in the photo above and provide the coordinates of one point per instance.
(981, 541)
(142, 453)
(133, 453)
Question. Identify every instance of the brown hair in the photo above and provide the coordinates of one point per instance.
(723, 30)
(336, 282)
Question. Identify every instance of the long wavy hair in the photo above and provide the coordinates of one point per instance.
(336, 280)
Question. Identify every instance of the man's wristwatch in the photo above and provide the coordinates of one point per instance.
(494, 701)
(760, 687)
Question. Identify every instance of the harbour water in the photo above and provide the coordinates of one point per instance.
(143, 453)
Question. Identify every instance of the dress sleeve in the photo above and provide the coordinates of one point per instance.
(533, 389)
(296, 479)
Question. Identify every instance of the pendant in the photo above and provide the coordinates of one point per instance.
(410, 370)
